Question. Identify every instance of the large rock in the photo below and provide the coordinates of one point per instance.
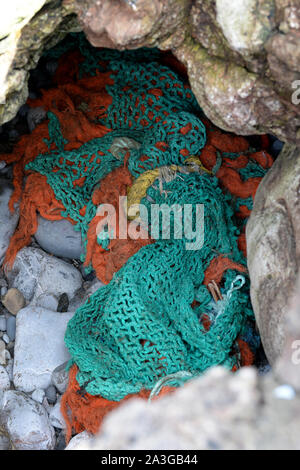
(26, 422)
(229, 411)
(273, 248)
(8, 221)
(43, 278)
(59, 238)
(39, 347)
(242, 56)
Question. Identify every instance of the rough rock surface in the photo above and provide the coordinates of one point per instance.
(8, 221)
(42, 278)
(26, 422)
(273, 248)
(59, 238)
(235, 411)
(39, 347)
(242, 56)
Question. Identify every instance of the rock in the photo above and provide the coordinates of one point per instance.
(9, 369)
(3, 353)
(2, 323)
(59, 238)
(3, 291)
(4, 379)
(77, 441)
(5, 338)
(26, 422)
(11, 327)
(39, 347)
(13, 300)
(60, 377)
(8, 221)
(40, 277)
(50, 393)
(236, 411)
(4, 442)
(56, 418)
(60, 442)
(35, 116)
(38, 395)
(273, 247)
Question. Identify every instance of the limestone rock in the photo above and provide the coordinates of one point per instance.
(273, 248)
(39, 347)
(43, 278)
(78, 440)
(26, 422)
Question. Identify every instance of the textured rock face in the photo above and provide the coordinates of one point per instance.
(235, 411)
(273, 247)
(242, 56)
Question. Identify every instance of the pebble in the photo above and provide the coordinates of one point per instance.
(60, 377)
(5, 338)
(35, 116)
(3, 291)
(13, 300)
(4, 442)
(59, 238)
(26, 421)
(63, 303)
(41, 277)
(2, 353)
(50, 393)
(39, 346)
(4, 379)
(38, 395)
(8, 221)
(2, 164)
(56, 418)
(81, 439)
(2, 323)
(11, 327)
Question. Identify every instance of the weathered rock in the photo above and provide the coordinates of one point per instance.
(8, 221)
(56, 418)
(26, 422)
(42, 278)
(50, 393)
(38, 395)
(236, 411)
(60, 377)
(78, 440)
(13, 300)
(4, 379)
(27, 28)
(39, 347)
(273, 248)
(59, 238)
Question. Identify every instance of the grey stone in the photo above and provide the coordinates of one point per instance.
(38, 395)
(11, 327)
(2, 323)
(273, 247)
(41, 277)
(60, 377)
(39, 347)
(26, 422)
(59, 238)
(4, 442)
(8, 221)
(56, 418)
(50, 393)
(5, 338)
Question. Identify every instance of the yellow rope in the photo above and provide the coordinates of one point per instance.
(140, 186)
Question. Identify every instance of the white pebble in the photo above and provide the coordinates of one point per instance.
(6, 338)
(38, 395)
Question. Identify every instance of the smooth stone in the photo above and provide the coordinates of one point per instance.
(3, 291)
(38, 395)
(5, 338)
(60, 377)
(50, 394)
(39, 346)
(79, 440)
(2, 323)
(26, 422)
(4, 379)
(13, 300)
(56, 418)
(40, 277)
(59, 238)
(11, 327)
(8, 221)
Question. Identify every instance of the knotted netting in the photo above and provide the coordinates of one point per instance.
(127, 124)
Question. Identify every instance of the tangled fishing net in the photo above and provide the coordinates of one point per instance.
(127, 124)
